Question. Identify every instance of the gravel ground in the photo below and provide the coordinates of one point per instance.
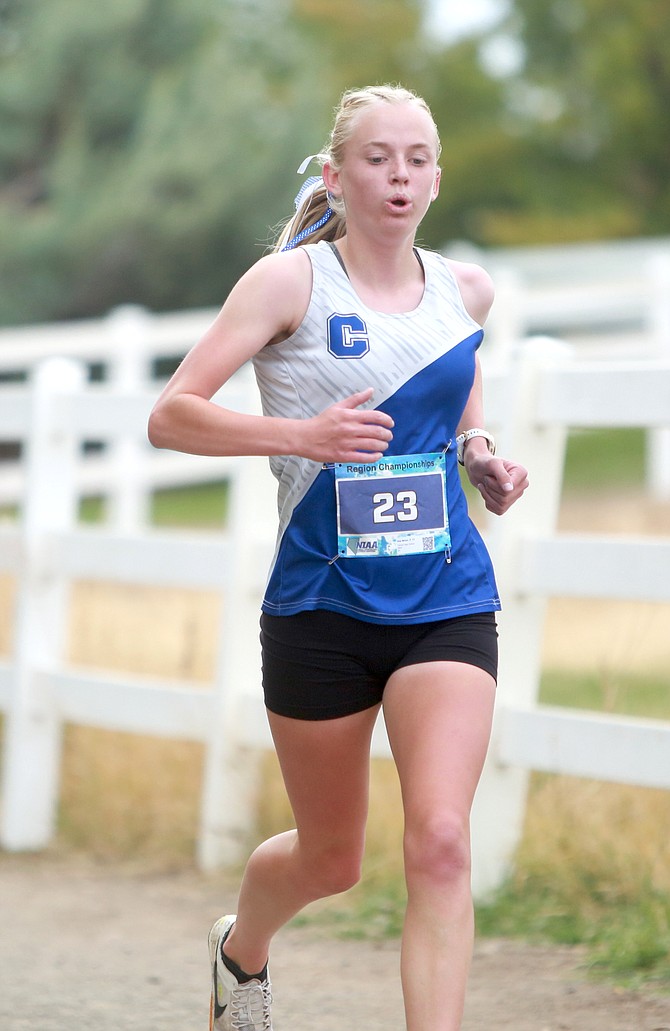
(111, 949)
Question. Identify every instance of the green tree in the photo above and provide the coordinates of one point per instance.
(149, 147)
(139, 148)
(479, 156)
(589, 107)
(362, 42)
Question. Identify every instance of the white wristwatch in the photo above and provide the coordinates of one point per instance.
(463, 438)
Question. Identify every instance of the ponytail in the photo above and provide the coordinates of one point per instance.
(315, 219)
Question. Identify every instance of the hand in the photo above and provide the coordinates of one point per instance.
(499, 481)
(345, 433)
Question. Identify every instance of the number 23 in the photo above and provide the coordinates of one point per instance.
(385, 500)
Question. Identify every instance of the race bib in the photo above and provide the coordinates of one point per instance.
(396, 506)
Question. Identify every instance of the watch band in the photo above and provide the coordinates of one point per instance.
(463, 438)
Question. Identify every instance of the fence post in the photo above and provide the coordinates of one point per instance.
(507, 324)
(500, 803)
(129, 497)
(658, 440)
(33, 729)
(231, 767)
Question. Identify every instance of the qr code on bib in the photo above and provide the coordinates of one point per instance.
(428, 543)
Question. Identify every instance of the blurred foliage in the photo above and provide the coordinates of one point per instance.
(148, 147)
(589, 104)
(139, 149)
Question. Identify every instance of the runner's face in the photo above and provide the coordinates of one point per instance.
(389, 174)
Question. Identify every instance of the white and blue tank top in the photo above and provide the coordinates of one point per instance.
(421, 364)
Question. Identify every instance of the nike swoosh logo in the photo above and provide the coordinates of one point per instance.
(218, 1009)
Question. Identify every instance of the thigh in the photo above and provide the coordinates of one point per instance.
(326, 769)
(438, 717)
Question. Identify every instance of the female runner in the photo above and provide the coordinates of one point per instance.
(381, 593)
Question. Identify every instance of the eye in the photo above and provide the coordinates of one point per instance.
(375, 159)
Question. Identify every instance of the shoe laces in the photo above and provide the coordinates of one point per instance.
(250, 1006)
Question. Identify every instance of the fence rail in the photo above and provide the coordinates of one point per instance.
(617, 749)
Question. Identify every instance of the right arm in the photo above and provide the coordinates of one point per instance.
(266, 306)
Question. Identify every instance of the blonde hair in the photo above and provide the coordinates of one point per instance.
(317, 202)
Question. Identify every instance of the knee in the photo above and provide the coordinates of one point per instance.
(333, 870)
(437, 848)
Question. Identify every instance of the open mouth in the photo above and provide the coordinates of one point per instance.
(399, 202)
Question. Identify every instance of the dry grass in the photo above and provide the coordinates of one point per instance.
(607, 636)
(611, 835)
(124, 796)
(156, 631)
(128, 796)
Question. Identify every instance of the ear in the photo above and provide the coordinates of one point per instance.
(331, 179)
(436, 184)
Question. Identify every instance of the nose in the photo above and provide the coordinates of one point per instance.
(399, 172)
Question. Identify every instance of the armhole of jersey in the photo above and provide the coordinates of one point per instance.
(452, 275)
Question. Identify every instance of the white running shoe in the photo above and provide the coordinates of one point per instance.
(235, 1006)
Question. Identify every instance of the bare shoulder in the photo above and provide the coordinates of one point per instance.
(274, 293)
(278, 275)
(476, 288)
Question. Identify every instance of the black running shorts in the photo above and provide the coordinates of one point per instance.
(320, 665)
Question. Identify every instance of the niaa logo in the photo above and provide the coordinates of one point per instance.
(347, 336)
(356, 545)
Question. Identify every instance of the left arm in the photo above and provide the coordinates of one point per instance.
(499, 481)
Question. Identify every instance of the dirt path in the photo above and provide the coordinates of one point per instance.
(103, 949)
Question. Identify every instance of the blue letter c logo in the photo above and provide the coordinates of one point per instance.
(347, 336)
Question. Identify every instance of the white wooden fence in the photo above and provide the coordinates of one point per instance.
(546, 393)
(532, 399)
(47, 551)
(610, 300)
(123, 348)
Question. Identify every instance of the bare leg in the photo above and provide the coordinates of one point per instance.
(325, 766)
(438, 717)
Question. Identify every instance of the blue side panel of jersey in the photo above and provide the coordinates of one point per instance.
(409, 589)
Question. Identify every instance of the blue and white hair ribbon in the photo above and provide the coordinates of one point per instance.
(306, 190)
(304, 165)
(308, 232)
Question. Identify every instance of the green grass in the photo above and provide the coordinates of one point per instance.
(372, 911)
(639, 694)
(598, 460)
(203, 505)
(627, 936)
(198, 506)
(592, 867)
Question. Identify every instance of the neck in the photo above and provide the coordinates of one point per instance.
(379, 260)
(388, 279)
